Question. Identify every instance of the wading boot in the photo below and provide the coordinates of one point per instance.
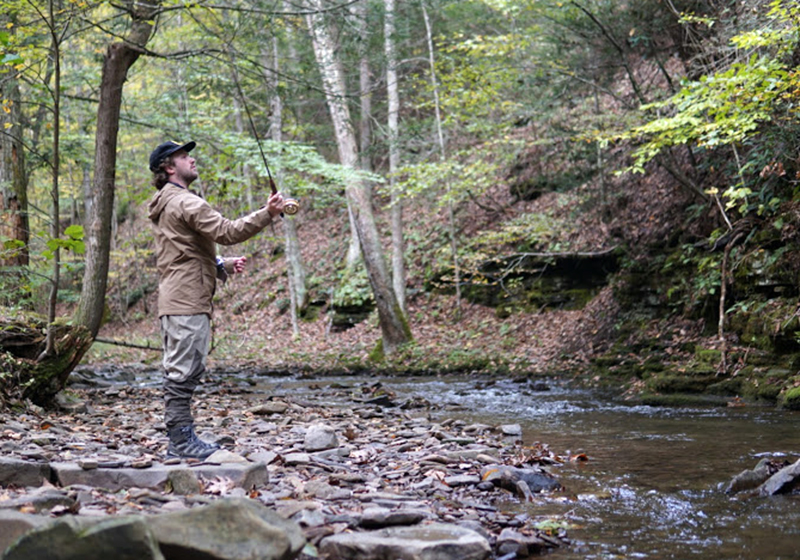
(185, 444)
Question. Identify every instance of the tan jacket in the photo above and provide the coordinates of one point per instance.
(186, 231)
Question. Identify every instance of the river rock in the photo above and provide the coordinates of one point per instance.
(784, 481)
(241, 475)
(749, 479)
(15, 472)
(320, 437)
(517, 480)
(80, 538)
(511, 541)
(380, 517)
(272, 407)
(437, 541)
(184, 482)
(40, 500)
(14, 524)
(230, 529)
(511, 430)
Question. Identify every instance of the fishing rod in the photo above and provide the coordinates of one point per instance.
(290, 205)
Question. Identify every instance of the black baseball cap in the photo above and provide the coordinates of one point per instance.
(167, 149)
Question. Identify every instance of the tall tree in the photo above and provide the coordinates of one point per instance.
(295, 271)
(55, 229)
(14, 226)
(118, 59)
(394, 327)
(393, 95)
(451, 214)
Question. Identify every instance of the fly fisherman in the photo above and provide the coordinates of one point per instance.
(187, 230)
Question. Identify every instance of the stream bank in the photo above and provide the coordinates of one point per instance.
(339, 457)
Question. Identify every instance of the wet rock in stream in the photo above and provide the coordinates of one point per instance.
(356, 479)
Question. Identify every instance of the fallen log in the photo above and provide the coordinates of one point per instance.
(23, 376)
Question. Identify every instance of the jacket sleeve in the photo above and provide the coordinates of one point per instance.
(202, 218)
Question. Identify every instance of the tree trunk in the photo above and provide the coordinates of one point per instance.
(451, 214)
(55, 228)
(398, 246)
(13, 179)
(119, 57)
(295, 271)
(394, 327)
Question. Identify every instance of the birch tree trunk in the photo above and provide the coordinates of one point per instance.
(119, 57)
(295, 271)
(393, 95)
(394, 327)
(451, 215)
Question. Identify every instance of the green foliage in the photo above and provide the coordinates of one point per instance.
(730, 108)
(723, 109)
(468, 173)
(353, 289)
(72, 242)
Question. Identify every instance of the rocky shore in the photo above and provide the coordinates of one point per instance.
(340, 471)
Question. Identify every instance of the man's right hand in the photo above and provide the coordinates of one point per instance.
(275, 204)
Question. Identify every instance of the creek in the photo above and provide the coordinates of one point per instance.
(652, 485)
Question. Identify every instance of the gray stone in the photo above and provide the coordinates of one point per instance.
(230, 529)
(749, 479)
(241, 475)
(184, 482)
(272, 407)
(462, 480)
(78, 538)
(40, 501)
(291, 459)
(782, 482)
(509, 478)
(309, 518)
(14, 472)
(320, 437)
(511, 541)
(224, 457)
(266, 457)
(14, 524)
(511, 430)
(437, 541)
(380, 517)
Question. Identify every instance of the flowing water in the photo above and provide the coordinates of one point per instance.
(651, 488)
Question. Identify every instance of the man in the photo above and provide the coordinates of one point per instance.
(186, 231)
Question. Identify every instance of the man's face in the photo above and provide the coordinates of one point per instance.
(182, 170)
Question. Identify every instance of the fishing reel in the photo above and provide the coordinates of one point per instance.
(291, 206)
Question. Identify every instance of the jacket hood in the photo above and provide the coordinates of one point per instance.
(161, 199)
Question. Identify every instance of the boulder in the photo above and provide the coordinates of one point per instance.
(227, 529)
(14, 524)
(437, 541)
(750, 479)
(15, 472)
(784, 481)
(76, 538)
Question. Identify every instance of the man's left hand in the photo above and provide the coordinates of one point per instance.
(238, 264)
